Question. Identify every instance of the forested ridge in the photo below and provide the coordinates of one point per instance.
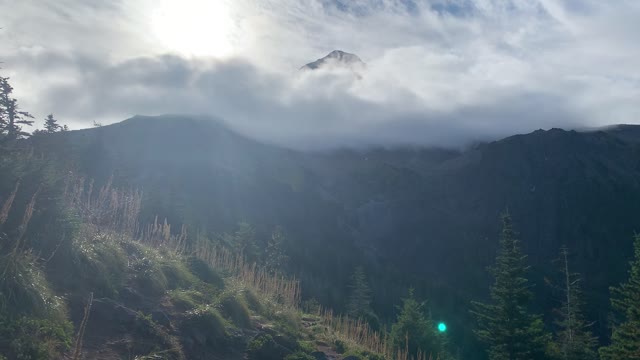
(176, 237)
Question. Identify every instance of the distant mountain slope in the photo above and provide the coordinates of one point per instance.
(420, 217)
(336, 58)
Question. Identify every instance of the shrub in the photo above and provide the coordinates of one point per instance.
(299, 355)
(340, 346)
(253, 301)
(205, 272)
(176, 273)
(288, 322)
(33, 338)
(184, 299)
(205, 325)
(263, 347)
(234, 307)
(23, 287)
(99, 263)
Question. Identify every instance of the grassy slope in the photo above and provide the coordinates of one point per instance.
(76, 283)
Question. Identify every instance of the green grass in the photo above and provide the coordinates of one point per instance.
(99, 265)
(176, 273)
(205, 322)
(234, 307)
(253, 301)
(28, 337)
(24, 288)
(204, 272)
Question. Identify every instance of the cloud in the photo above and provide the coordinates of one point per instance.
(441, 73)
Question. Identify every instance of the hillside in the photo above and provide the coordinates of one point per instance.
(413, 217)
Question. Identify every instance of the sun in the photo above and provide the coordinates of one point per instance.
(193, 27)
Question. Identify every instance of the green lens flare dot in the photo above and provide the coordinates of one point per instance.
(442, 327)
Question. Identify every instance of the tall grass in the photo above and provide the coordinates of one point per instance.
(275, 287)
(116, 211)
(105, 209)
(358, 334)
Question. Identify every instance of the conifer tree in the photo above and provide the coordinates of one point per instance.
(415, 332)
(275, 256)
(11, 118)
(359, 300)
(243, 241)
(506, 326)
(574, 339)
(625, 340)
(51, 124)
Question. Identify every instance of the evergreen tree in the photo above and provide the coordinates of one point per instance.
(51, 124)
(625, 341)
(11, 117)
(359, 301)
(275, 256)
(505, 324)
(574, 341)
(243, 241)
(415, 332)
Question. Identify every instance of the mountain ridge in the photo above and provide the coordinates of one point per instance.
(336, 58)
(413, 216)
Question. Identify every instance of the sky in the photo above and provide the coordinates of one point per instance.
(438, 72)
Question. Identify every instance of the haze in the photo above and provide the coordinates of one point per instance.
(439, 73)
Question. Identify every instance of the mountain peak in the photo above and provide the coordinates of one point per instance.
(336, 58)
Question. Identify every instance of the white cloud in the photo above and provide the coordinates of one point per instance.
(438, 73)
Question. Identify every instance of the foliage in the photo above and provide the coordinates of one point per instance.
(276, 258)
(24, 288)
(98, 262)
(204, 272)
(505, 324)
(414, 331)
(232, 305)
(574, 338)
(299, 355)
(253, 301)
(263, 347)
(243, 241)
(206, 320)
(11, 117)
(51, 124)
(625, 341)
(184, 299)
(340, 346)
(27, 337)
(359, 301)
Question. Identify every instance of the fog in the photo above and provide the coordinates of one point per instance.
(439, 73)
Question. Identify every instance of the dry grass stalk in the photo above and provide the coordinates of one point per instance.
(276, 287)
(77, 352)
(110, 209)
(28, 213)
(159, 235)
(4, 213)
(359, 334)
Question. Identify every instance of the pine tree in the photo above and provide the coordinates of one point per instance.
(12, 118)
(625, 340)
(243, 241)
(574, 341)
(359, 300)
(51, 124)
(415, 332)
(275, 256)
(505, 324)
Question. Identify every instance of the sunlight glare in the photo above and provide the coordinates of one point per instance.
(194, 27)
